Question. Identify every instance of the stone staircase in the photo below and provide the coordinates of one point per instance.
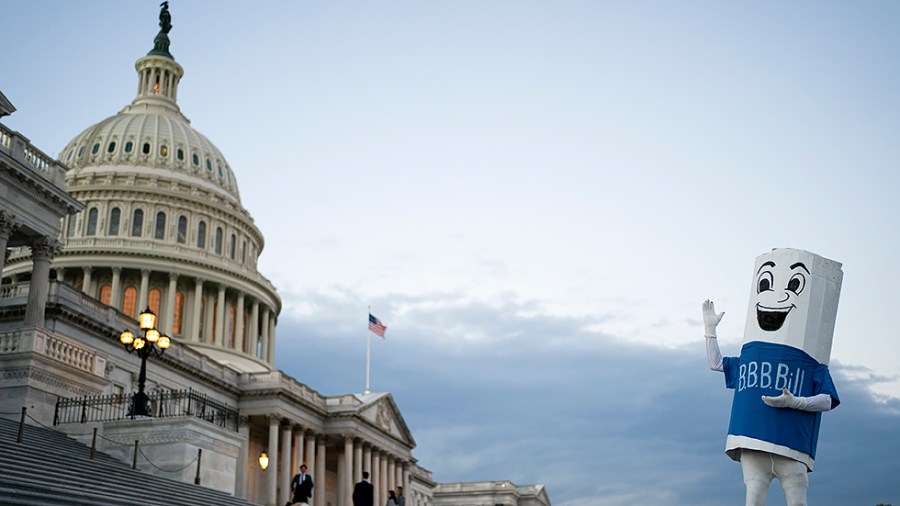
(49, 468)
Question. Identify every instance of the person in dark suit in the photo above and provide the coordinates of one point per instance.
(363, 492)
(301, 486)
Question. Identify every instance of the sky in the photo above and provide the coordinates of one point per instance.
(535, 198)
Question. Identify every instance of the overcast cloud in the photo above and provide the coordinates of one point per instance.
(491, 394)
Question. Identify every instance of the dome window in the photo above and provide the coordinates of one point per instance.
(137, 223)
(208, 165)
(220, 169)
(69, 156)
(164, 150)
(129, 146)
(95, 149)
(114, 217)
(160, 225)
(201, 235)
(182, 230)
(146, 148)
(92, 222)
(111, 147)
(81, 150)
(180, 154)
(218, 240)
(195, 159)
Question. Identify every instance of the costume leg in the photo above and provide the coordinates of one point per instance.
(758, 474)
(794, 479)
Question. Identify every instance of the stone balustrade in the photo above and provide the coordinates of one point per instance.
(54, 347)
(20, 149)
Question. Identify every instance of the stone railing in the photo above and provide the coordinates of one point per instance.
(15, 291)
(278, 380)
(19, 148)
(54, 347)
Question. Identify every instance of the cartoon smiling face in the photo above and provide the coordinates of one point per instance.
(793, 301)
(779, 289)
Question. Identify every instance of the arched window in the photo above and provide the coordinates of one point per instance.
(243, 251)
(218, 240)
(92, 222)
(160, 225)
(105, 293)
(153, 300)
(137, 223)
(232, 246)
(201, 235)
(182, 229)
(129, 301)
(179, 313)
(70, 226)
(114, 216)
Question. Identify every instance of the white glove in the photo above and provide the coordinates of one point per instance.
(816, 403)
(710, 318)
(786, 400)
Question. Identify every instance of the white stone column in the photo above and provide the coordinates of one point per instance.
(240, 482)
(347, 475)
(208, 320)
(264, 352)
(271, 338)
(253, 331)
(86, 281)
(357, 461)
(220, 317)
(320, 471)
(406, 479)
(272, 471)
(375, 474)
(297, 448)
(170, 304)
(284, 470)
(318, 481)
(116, 289)
(239, 334)
(196, 313)
(145, 290)
(8, 225)
(391, 474)
(42, 251)
(367, 461)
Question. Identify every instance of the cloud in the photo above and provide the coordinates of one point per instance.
(494, 390)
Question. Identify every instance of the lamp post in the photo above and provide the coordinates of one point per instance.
(152, 343)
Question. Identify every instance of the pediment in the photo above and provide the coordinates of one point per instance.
(382, 412)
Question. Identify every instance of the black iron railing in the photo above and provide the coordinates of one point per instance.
(163, 404)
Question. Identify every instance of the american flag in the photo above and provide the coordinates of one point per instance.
(376, 326)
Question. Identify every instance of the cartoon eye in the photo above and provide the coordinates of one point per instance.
(797, 283)
(764, 282)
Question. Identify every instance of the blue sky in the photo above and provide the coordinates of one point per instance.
(535, 197)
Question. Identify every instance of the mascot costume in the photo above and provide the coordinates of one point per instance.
(781, 381)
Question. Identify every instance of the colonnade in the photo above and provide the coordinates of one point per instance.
(43, 249)
(289, 445)
(251, 332)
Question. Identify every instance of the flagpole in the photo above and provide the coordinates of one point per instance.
(368, 350)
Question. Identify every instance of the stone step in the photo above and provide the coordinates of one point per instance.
(50, 468)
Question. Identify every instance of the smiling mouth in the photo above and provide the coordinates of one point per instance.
(771, 319)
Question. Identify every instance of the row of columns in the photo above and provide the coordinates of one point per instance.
(260, 324)
(289, 446)
(150, 76)
(43, 249)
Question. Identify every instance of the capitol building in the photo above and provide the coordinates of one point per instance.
(141, 211)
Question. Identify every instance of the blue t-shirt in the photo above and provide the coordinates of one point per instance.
(765, 369)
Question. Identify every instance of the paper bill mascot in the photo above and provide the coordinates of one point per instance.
(781, 381)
